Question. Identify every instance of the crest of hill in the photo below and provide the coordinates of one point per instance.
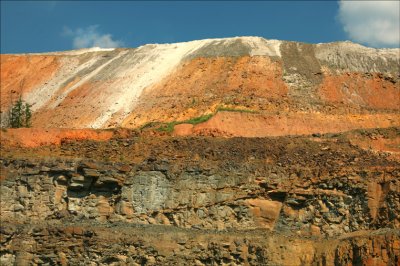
(242, 45)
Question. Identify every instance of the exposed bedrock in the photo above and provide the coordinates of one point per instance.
(328, 203)
(122, 244)
(239, 201)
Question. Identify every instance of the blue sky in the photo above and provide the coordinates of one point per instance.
(53, 26)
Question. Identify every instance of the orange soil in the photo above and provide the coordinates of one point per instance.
(77, 109)
(255, 125)
(21, 74)
(203, 83)
(379, 144)
(198, 87)
(356, 88)
(35, 137)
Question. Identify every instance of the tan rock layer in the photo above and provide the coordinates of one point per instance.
(76, 244)
(200, 200)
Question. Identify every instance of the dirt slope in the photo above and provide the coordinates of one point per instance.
(100, 88)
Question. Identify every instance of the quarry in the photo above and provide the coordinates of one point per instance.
(233, 151)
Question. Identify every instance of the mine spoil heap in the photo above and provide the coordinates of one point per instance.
(237, 151)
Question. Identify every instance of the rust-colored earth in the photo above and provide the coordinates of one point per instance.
(371, 90)
(99, 90)
(36, 137)
(235, 124)
(202, 84)
(21, 74)
(75, 110)
(378, 143)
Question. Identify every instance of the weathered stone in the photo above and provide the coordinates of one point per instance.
(124, 168)
(91, 172)
(236, 195)
(18, 207)
(61, 168)
(266, 212)
(104, 180)
(89, 165)
(148, 192)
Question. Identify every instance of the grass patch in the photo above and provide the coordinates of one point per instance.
(239, 110)
(198, 120)
(169, 127)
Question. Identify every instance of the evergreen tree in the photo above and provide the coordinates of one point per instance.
(28, 115)
(20, 114)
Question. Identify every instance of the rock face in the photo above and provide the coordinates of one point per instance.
(238, 151)
(201, 201)
(97, 88)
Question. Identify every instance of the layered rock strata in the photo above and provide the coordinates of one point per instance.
(201, 201)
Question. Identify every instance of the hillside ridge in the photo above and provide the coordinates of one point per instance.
(347, 43)
(130, 87)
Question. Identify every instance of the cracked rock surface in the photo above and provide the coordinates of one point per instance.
(160, 200)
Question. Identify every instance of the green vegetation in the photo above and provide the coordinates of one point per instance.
(20, 115)
(198, 120)
(229, 109)
(169, 127)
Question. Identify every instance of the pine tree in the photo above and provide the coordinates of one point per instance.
(20, 114)
(28, 115)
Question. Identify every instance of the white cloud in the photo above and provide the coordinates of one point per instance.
(91, 37)
(376, 23)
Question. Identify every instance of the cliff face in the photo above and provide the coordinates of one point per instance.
(175, 82)
(238, 201)
(240, 151)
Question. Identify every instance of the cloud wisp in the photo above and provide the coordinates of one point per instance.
(376, 23)
(91, 37)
